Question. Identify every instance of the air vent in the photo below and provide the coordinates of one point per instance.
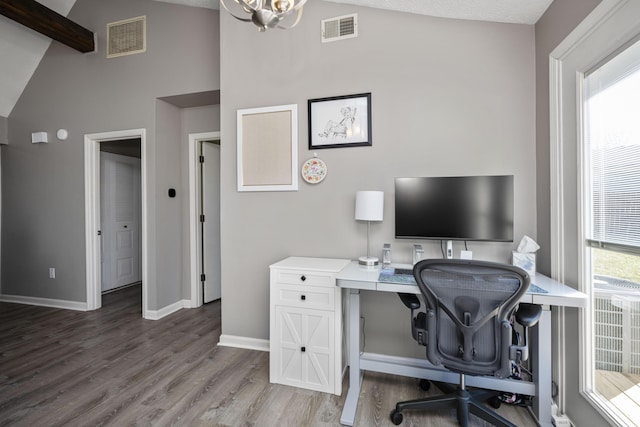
(339, 28)
(127, 37)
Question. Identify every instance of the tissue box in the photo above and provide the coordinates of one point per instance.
(526, 261)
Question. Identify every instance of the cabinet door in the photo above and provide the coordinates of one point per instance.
(306, 348)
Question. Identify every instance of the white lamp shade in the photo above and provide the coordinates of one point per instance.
(369, 205)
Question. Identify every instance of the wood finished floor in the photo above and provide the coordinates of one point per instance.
(111, 367)
(622, 391)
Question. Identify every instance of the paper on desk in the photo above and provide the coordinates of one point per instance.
(527, 245)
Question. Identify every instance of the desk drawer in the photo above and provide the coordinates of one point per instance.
(299, 277)
(304, 297)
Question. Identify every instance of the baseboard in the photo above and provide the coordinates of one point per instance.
(244, 342)
(82, 306)
(187, 303)
(165, 311)
(45, 302)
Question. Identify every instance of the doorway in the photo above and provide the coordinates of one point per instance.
(120, 214)
(93, 218)
(204, 217)
(210, 220)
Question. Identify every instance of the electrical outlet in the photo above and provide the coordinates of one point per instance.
(561, 421)
(52, 273)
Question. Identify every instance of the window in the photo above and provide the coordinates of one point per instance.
(611, 218)
(612, 139)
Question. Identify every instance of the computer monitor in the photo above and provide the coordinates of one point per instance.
(478, 208)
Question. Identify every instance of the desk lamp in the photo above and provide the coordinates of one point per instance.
(369, 207)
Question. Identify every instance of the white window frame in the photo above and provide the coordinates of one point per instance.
(611, 24)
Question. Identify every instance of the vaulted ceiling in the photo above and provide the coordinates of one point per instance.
(21, 48)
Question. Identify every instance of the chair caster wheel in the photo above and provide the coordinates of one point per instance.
(425, 384)
(396, 417)
(495, 402)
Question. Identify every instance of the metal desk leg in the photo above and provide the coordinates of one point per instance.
(355, 376)
(542, 368)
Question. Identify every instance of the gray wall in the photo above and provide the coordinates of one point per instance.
(43, 185)
(4, 132)
(169, 213)
(449, 97)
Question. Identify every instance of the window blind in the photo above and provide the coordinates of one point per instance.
(615, 195)
(612, 136)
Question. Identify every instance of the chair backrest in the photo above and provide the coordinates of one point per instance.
(468, 309)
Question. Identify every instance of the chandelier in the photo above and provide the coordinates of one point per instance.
(266, 13)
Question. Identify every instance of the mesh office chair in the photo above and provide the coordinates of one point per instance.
(467, 329)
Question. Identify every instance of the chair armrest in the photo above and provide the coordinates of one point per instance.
(418, 323)
(419, 328)
(411, 301)
(528, 314)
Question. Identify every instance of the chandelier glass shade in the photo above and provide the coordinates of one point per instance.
(266, 14)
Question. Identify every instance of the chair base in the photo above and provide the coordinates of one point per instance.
(464, 401)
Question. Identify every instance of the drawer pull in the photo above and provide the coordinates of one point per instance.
(303, 278)
(303, 297)
(303, 349)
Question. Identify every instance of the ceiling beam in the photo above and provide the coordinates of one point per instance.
(40, 18)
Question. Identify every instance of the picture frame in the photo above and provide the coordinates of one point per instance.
(267, 148)
(340, 121)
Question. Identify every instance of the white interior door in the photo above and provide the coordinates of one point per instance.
(120, 219)
(210, 205)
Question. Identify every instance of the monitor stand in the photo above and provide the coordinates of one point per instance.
(449, 252)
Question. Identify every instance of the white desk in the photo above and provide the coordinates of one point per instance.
(357, 278)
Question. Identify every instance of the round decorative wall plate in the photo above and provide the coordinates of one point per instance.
(314, 170)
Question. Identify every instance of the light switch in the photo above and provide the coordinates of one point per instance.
(38, 137)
